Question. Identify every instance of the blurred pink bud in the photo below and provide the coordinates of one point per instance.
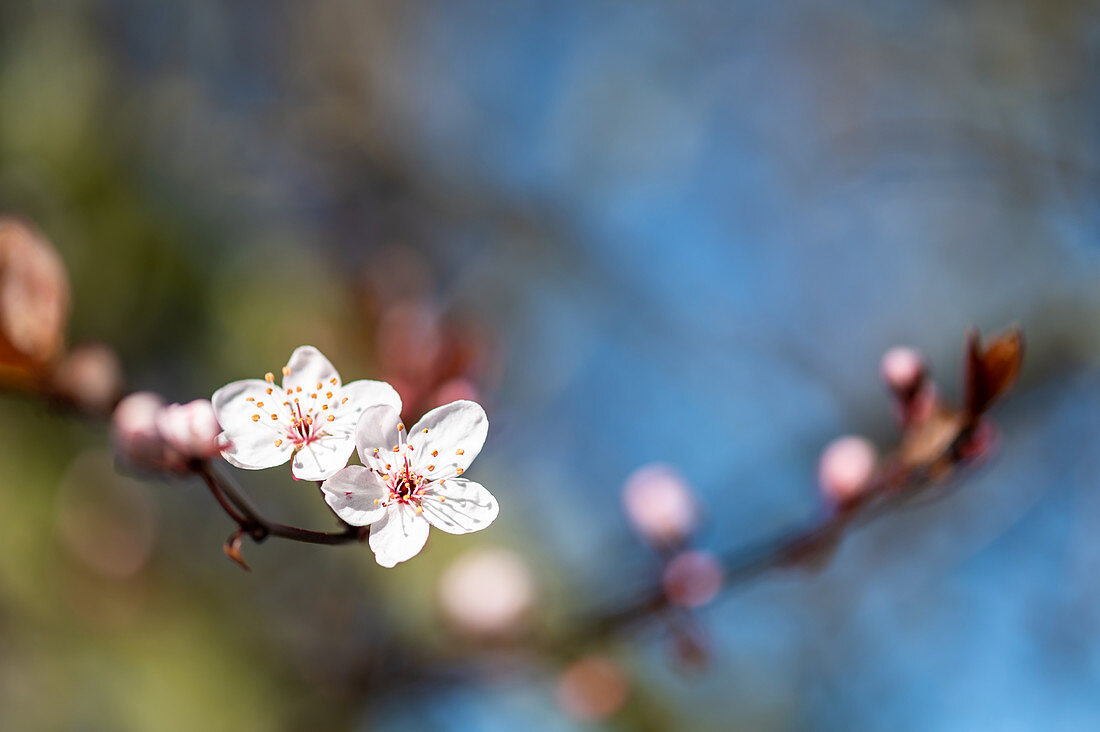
(452, 391)
(409, 340)
(692, 579)
(902, 369)
(487, 592)
(137, 436)
(34, 296)
(90, 376)
(190, 429)
(846, 467)
(660, 504)
(593, 688)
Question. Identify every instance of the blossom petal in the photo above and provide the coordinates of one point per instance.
(455, 432)
(376, 434)
(255, 449)
(250, 441)
(307, 367)
(466, 506)
(232, 406)
(352, 493)
(322, 457)
(362, 395)
(398, 536)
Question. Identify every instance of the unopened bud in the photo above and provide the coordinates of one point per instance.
(660, 504)
(453, 390)
(90, 376)
(34, 296)
(487, 592)
(593, 688)
(137, 437)
(846, 468)
(902, 370)
(692, 579)
(190, 429)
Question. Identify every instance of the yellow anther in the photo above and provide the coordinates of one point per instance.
(286, 371)
(419, 510)
(425, 430)
(442, 499)
(377, 501)
(389, 467)
(297, 388)
(400, 427)
(269, 390)
(319, 386)
(344, 400)
(312, 396)
(328, 395)
(460, 451)
(255, 418)
(435, 453)
(324, 407)
(269, 377)
(376, 451)
(278, 443)
(459, 471)
(332, 381)
(396, 448)
(260, 405)
(431, 467)
(250, 399)
(331, 417)
(274, 416)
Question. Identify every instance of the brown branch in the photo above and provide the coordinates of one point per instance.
(252, 523)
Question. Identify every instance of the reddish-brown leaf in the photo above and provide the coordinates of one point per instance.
(991, 370)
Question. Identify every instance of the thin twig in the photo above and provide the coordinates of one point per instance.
(241, 510)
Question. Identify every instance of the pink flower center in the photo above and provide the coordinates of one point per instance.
(406, 486)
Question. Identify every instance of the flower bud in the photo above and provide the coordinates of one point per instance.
(34, 297)
(90, 376)
(593, 688)
(845, 468)
(902, 369)
(487, 592)
(137, 437)
(659, 504)
(692, 579)
(190, 429)
(454, 389)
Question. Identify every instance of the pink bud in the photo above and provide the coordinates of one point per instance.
(692, 579)
(453, 390)
(659, 503)
(593, 688)
(902, 369)
(134, 425)
(487, 592)
(845, 468)
(90, 376)
(190, 429)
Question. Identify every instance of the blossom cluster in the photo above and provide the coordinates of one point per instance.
(410, 478)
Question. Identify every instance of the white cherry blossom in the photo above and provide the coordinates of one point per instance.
(310, 418)
(410, 478)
